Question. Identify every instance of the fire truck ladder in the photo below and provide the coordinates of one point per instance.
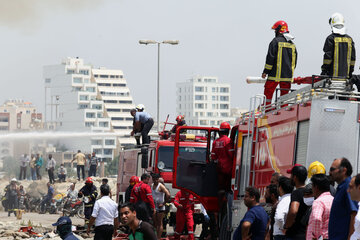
(257, 102)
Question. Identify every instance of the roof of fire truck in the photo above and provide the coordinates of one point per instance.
(318, 87)
(185, 140)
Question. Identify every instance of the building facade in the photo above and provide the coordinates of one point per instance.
(72, 91)
(203, 101)
(117, 101)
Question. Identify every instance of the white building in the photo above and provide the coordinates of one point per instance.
(73, 93)
(117, 101)
(204, 101)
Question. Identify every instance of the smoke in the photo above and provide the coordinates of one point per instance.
(27, 15)
(53, 135)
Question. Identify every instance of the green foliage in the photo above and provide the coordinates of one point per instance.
(111, 168)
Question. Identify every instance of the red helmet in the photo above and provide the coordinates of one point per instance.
(179, 118)
(89, 180)
(225, 126)
(280, 26)
(134, 180)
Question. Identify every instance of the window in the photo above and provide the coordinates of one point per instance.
(214, 89)
(214, 98)
(110, 101)
(119, 85)
(77, 89)
(86, 80)
(224, 98)
(83, 106)
(99, 115)
(224, 114)
(97, 151)
(179, 98)
(224, 89)
(113, 110)
(84, 97)
(201, 114)
(104, 124)
(89, 124)
(84, 71)
(126, 102)
(4, 128)
(97, 106)
(203, 122)
(77, 80)
(70, 71)
(104, 84)
(109, 142)
(118, 118)
(209, 114)
(47, 80)
(212, 123)
(126, 110)
(90, 115)
(27, 111)
(214, 106)
(4, 119)
(96, 142)
(199, 105)
(199, 89)
(199, 97)
(108, 151)
(120, 127)
(224, 106)
(90, 89)
(104, 76)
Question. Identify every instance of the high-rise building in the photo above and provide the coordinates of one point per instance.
(117, 100)
(72, 91)
(204, 101)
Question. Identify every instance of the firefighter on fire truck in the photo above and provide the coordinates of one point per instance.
(279, 67)
(222, 152)
(184, 202)
(180, 121)
(339, 50)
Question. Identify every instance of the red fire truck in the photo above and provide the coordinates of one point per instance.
(319, 122)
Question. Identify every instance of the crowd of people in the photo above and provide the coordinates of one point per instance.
(305, 206)
(35, 163)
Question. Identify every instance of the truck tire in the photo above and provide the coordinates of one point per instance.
(224, 233)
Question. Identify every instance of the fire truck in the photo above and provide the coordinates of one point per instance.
(319, 122)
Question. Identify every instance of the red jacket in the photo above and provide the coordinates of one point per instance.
(185, 199)
(142, 191)
(223, 152)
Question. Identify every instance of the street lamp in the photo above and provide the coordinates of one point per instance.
(146, 42)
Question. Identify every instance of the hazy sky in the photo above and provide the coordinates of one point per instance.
(227, 38)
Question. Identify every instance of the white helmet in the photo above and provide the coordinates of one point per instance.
(337, 23)
(13, 180)
(140, 107)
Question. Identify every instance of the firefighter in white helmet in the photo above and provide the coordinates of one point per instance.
(339, 50)
(140, 107)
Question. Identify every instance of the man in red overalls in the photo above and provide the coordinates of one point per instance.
(141, 196)
(184, 202)
(223, 152)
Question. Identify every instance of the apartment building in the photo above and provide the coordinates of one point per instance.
(204, 101)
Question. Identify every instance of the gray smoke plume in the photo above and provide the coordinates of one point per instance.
(27, 15)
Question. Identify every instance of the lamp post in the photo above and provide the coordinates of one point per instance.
(146, 42)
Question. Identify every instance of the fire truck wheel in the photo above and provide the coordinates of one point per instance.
(224, 233)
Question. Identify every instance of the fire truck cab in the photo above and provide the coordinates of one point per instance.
(319, 122)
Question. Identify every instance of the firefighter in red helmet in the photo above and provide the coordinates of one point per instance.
(132, 182)
(180, 121)
(223, 152)
(280, 61)
(89, 194)
(184, 202)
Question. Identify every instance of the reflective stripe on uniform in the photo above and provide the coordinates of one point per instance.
(338, 40)
(327, 61)
(268, 67)
(352, 63)
(278, 77)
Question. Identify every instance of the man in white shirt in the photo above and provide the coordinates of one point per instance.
(105, 216)
(285, 189)
(50, 167)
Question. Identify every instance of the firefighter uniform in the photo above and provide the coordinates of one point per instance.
(339, 56)
(141, 196)
(184, 214)
(280, 65)
(223, 152)
(91, 193)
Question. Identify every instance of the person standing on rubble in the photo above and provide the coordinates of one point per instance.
(339, 51)
(50, 167)
(11, 194)
(38, 163)
(142, 118)
(24, 160)
(280, 61)
(80, 164)
(89, 192)
(93, 164)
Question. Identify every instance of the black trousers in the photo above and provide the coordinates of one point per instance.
(82, 167)
(92, 171)
(51, 175)
(104, 232)
(145, 131)
(22, 173)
